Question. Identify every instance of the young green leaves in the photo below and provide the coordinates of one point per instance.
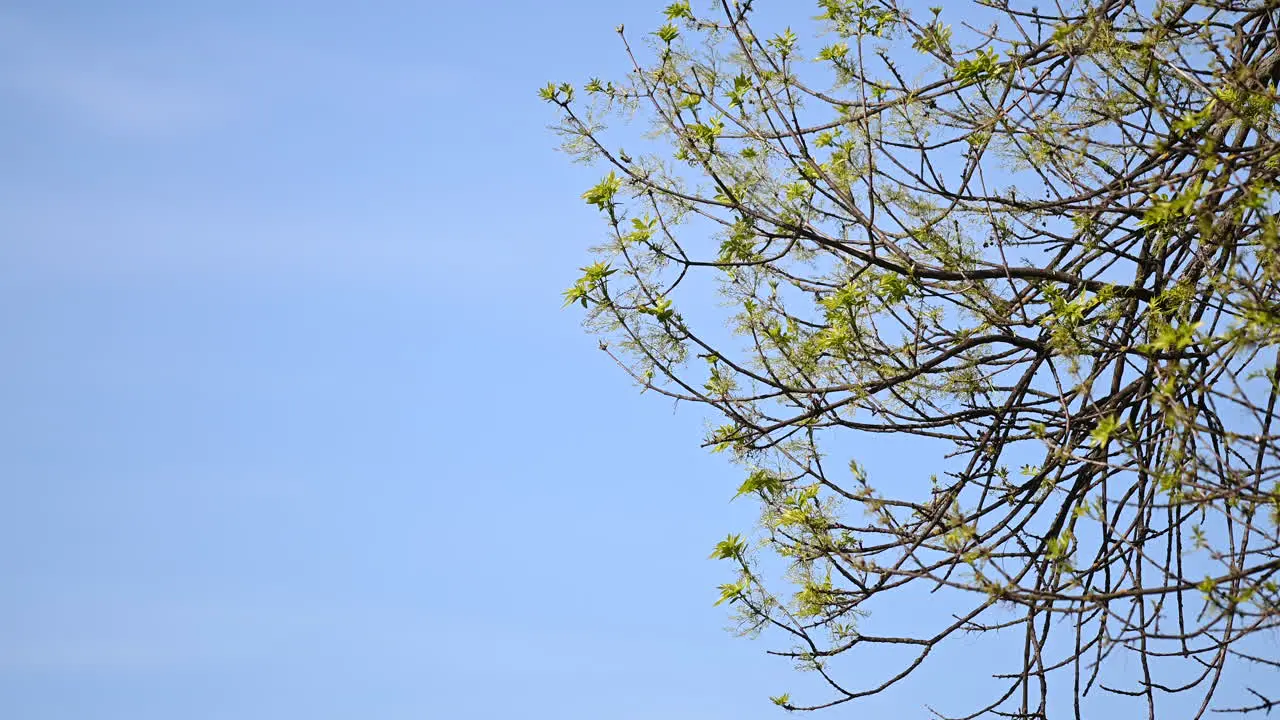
(602, 194)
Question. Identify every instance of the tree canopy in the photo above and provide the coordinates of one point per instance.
(1037, 246)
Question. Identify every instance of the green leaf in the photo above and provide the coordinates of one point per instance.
(575, 294)
(661, 310)
(784, 42)
(1175, 339)
(731, 548)
(602, 194)
(737, 94)
(1207, 586)
(760, 481)
(1101, 434)
(935, 37)
(730, 592)
(679, 11)
(984, 64)
(894, 288)
(1058, 547)
(667, 33)
(834, 52)
(595, 273)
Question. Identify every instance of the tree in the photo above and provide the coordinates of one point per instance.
(1041, 244)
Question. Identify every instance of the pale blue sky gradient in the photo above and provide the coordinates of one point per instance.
(293, 424)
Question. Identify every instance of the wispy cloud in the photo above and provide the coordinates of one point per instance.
(117, 103)
(101, 89)
(194, 79)
(248, 143)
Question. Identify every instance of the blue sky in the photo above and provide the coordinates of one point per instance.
(293, 424)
